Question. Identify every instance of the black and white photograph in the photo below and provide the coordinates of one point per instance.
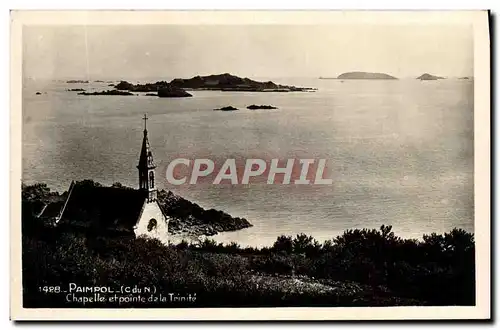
(182, 161)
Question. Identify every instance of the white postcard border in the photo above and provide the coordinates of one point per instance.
(479, 21)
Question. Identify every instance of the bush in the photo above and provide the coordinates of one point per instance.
(283, 244)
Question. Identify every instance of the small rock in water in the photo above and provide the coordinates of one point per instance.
(255, 107)
(228, 108)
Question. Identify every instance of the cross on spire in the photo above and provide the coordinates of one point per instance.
(147, 166)
(145, 118)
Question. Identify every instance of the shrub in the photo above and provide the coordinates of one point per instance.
(283, 244)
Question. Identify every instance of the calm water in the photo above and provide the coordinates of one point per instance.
(399, 152)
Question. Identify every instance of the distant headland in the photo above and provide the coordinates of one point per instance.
(363, 75)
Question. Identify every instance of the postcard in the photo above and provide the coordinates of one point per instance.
(239, 165)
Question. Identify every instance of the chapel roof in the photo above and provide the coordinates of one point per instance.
(52, 210)
(103, 207)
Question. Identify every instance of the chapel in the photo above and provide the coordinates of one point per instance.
(120, 211)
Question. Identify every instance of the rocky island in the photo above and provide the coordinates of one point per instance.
(109, 92)
(219, 82)
(77, 81)
(149, 87)
(427, 76)
(178, 87)
(172, 91)
(364, 75)
(228, 82)
(162, 89)
(257, 107)
(228, 108)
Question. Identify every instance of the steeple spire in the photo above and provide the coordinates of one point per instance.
(145, 118)
(147, 167)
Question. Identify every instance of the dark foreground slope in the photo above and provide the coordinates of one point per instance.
(359, 268)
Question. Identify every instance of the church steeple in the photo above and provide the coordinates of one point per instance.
(147, 167)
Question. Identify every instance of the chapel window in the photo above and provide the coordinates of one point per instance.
(152, 224)
(151, 180)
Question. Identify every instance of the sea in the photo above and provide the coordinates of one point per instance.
(399, 152)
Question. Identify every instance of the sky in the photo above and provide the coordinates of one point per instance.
(183, 51)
